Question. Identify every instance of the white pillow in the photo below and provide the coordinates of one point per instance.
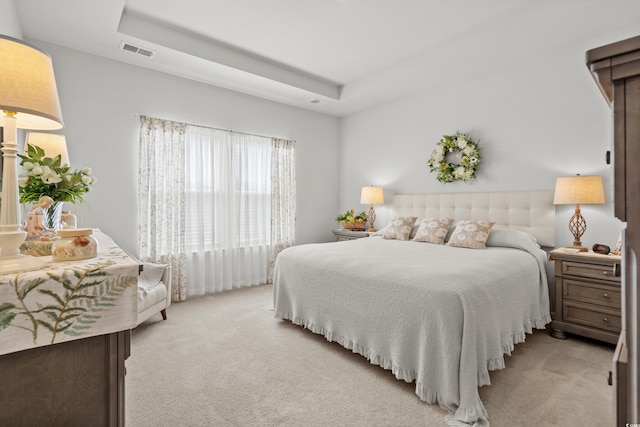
(509, 237)
(381, 231)
(415, 227)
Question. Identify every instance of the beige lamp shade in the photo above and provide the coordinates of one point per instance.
(28, 86)
(372, 195)
(579, 190)
(52, 144)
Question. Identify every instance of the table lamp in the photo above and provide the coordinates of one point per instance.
(578, 190)
(372, 196)
(29, 99)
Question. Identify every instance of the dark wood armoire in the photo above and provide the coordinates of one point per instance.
(616, 69)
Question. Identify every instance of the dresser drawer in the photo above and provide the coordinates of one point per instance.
(593, 316)
(595, 271)
(593, 293)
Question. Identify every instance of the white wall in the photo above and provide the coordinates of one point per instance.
(101, 100)
(535, 121)
(9, 21)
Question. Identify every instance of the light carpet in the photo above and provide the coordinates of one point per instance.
(223, 360)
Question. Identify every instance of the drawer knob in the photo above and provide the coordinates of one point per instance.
(606, 273)
(605, 295)
(605, 319)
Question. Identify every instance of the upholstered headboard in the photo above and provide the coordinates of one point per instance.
(530, 211)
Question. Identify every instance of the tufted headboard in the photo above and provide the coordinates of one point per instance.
(530, 211)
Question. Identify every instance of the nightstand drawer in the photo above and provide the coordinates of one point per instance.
(593, 316)
(342, 234)
(595, 271)
(593, 293)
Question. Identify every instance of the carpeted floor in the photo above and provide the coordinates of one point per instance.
(223, 360)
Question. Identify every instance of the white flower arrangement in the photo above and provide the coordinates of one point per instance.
(469, 162)
(45, 176)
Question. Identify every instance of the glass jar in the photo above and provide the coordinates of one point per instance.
(74, 244)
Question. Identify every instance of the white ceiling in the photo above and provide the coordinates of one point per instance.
(346, 54)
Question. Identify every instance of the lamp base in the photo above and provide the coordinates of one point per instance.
(19, 264)
(371, 218)
(11, 260)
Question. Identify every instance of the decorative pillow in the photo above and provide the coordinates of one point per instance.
(433, 230)
(399, 227)
(471, 234)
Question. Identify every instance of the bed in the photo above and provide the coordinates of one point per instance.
(439, 315)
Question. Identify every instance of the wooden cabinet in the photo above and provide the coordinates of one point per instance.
(75, 383)
(588, 295)
(64, 339)
(345, 234)
(616, 70)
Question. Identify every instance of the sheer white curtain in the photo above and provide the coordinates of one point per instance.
(225, 202)
(228, 209)
(161, 191)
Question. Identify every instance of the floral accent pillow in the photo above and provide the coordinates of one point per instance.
(399, 228)
(471, 234)
(433, 230)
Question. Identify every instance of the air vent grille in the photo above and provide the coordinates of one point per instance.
(136, 49)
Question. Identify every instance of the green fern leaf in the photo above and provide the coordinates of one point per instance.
(45, 324)
(52, 295)
(6, 315)
(24, 291)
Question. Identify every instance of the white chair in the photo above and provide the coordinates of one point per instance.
(154, 290)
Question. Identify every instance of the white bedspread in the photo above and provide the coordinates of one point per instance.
(439, 315)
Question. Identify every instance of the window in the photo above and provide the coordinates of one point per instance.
(216, 205)
(228, 202)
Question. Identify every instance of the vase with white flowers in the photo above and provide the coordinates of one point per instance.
(46, 176)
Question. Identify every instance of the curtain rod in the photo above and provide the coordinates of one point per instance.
(212, 127)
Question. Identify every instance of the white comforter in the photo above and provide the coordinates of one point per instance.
(439, 315)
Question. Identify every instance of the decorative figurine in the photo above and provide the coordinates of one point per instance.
(34, 227)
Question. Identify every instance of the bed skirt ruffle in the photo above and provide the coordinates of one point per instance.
(470, 415)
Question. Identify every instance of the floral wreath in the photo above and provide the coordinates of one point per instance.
(469, 162)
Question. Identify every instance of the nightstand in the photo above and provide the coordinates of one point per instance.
(588, 295)
(346, 234)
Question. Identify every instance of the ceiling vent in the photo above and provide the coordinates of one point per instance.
(136, 49)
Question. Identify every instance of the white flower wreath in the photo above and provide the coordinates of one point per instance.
(469, 161)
